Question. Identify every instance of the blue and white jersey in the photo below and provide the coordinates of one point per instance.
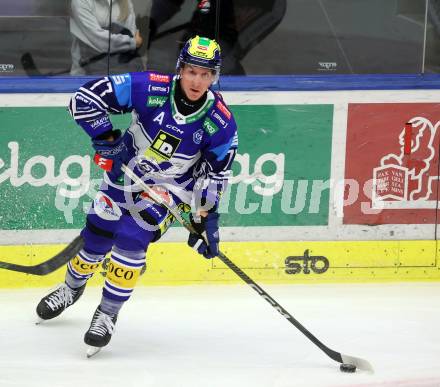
(183, 153)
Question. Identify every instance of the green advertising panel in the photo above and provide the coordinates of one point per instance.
(281, 173)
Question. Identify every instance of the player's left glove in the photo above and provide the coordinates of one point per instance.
(110, 155)
(209, 226)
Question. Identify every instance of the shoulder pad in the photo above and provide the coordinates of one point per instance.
(218, 95)
(220, 106)
(219, 117)
(220, 113)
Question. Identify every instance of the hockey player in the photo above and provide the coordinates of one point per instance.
(181, 141)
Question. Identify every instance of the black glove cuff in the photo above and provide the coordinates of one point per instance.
(199, 227)
(102, 137)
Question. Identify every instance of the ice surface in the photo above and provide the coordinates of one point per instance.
(228, 336)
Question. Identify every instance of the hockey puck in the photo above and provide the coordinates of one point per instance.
(345, 367)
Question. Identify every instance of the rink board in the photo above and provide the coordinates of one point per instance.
(266, 262)
(300, 166)
(299, 154)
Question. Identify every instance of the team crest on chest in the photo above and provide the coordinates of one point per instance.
(197, 136)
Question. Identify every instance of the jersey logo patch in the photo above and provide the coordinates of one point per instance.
(224, 110)
(106, 208)
(210, 127)
(156, 100)
(160, 89)
(159, 78)
(219, 118)
(163, 147)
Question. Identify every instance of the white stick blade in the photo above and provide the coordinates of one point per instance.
(361, 364)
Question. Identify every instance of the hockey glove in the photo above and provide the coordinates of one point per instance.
(110, 155)
(209, 229)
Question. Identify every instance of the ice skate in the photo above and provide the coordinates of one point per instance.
(91, 351)
(57, 301)
(100, 331)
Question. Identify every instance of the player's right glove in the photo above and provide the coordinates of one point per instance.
(209, 228)
(110, 155)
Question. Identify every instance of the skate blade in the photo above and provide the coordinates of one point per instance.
(39, 321)
(91, 351)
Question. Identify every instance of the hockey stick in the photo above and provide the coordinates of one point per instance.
(51, 264)
(337, 356)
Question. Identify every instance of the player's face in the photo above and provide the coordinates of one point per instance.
(195, 81)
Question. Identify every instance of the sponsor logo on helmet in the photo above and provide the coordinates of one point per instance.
(210, 127)
(156, 100)
(203, 48)
(159, 78)
(220, 106)
(106, 208)
(201, 54)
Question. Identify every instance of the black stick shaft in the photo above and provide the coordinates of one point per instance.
(178, 215)
(50, 265)
(333, 354)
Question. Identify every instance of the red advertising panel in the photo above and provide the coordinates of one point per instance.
(391, 165)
